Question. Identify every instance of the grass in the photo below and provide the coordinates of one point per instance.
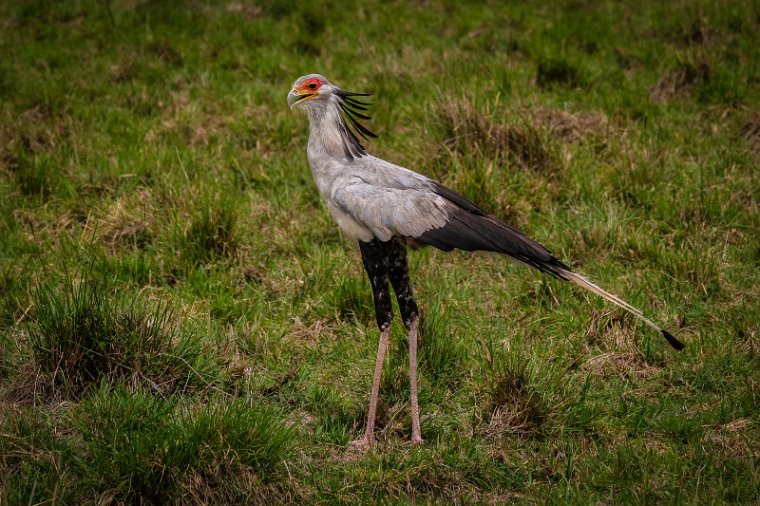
(83, 335)
(182, 322)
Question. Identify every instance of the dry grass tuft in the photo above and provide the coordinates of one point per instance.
(613, 330)
(751, 131)
(570, 127)
(736, 438)
(311, 334)
(694, 33)
(129, 222)
(245, 9)
(679, 81)
(35, 130)
(470, 130)
(621, 364)
(515, 407)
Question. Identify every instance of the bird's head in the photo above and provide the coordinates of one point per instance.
(322, 99)
(310, 88)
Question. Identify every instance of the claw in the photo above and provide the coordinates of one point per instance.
(416, 441)
(362, 444)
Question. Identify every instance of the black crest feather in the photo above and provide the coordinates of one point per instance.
(349, 126)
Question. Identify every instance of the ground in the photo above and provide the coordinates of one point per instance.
(181, 321)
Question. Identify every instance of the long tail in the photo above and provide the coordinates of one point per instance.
(470, 228)
(588, 285)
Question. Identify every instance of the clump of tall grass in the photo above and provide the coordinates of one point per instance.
(11, 287)
(558, 71)
(686, 75)
(83, 332)
(513, 404)
(142, 448)
(442, 353)
(32, 457)
(477, 132)
(521, 401)
(351, 299)
(210, 235)
(338, 415)
(485, 149)
(35, 176)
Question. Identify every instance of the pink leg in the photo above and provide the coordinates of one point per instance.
(416, 435)
(369, 435)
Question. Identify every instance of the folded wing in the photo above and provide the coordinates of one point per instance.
(435, 215)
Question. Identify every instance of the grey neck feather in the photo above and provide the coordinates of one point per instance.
(330, 132)
(324, 137)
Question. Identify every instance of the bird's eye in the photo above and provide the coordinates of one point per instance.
(313, 86)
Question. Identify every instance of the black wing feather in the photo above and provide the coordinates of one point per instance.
(469, 228)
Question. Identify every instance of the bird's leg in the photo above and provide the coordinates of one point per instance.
(375, 258)
(416, 434)
(369, 434)
(399, 277)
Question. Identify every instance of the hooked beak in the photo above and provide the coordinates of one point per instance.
(294, 97)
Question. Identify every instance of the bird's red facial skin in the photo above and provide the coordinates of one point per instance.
(311, 85)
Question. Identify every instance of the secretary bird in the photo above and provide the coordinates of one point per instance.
(386, 208)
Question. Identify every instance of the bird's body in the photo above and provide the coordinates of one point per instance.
(391, 201)
(385, 207)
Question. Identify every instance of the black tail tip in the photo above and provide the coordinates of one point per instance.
(675, 343)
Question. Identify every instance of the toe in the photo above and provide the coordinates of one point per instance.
(362, 444)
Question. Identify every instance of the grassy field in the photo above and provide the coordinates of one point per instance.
(182, 322)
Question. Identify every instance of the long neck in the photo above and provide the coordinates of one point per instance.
(330, 138)
(325, 141)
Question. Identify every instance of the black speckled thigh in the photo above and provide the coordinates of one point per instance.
(376, 263)
(399, 277)
(386, 262)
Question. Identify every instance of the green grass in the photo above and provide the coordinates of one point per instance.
(182, 322)
(84, 334)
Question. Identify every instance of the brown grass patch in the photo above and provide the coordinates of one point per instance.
(35, 130)
(621, 364)
(737, 438)
(679, 81)
(612, 329)
(616, 332)
(514, 406)
(310, 334)
(528, 142)
(27, 385)
(751, 131)
(129, 222)
(472, 130)
(40, 228)
(245, 9)
(198, 121)
(568, 127)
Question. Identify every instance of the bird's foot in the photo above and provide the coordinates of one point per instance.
(364, 443)
(416, 441)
